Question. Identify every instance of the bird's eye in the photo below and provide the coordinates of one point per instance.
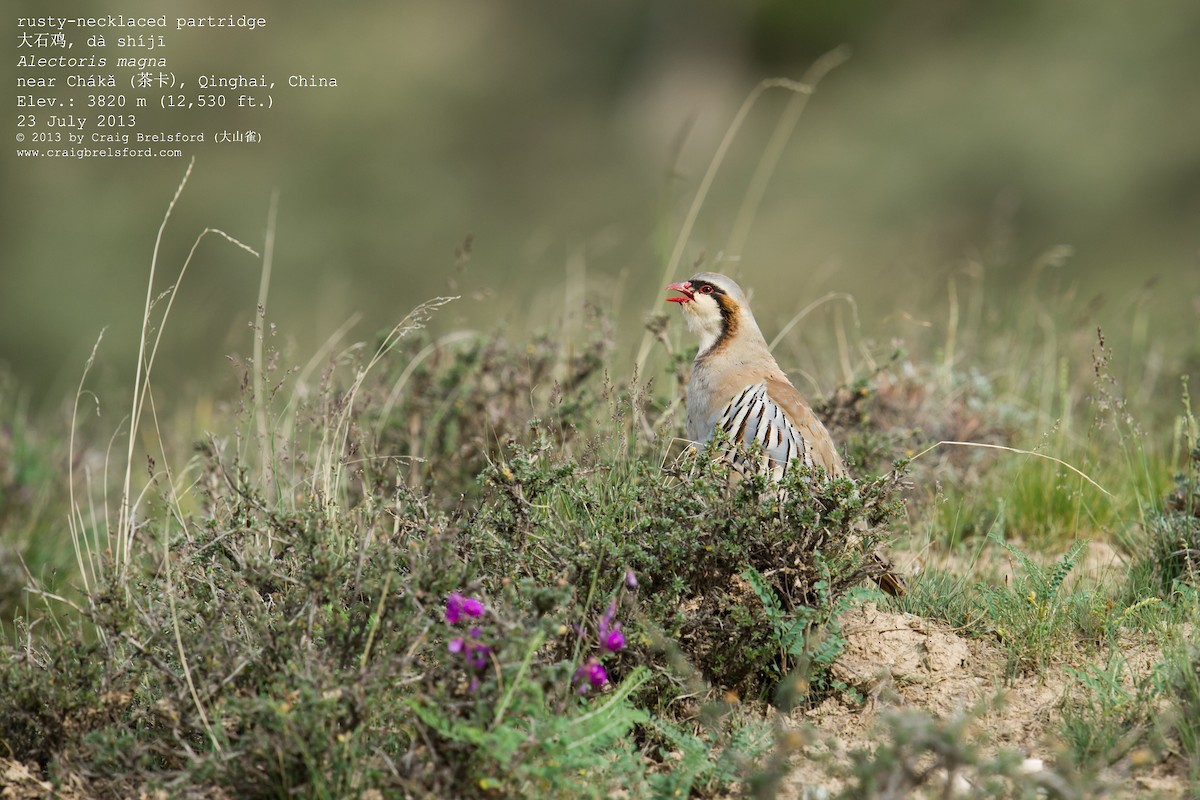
(706, 289)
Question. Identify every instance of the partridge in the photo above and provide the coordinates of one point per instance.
(738, 387)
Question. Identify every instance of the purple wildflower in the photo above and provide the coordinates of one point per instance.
(630, 579)
(611, 638)
(596, 674)
(591, 675)
(477, 655)
(607, 619)
(457, 605)
(454, 607)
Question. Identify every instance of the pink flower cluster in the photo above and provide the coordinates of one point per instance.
(593, 675)
(473, 652)
(457, 605)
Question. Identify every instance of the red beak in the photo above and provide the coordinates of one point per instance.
(685, 289)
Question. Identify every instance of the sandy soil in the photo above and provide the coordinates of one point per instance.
(903, 661)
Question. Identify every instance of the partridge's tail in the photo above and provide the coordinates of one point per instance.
(884, 573)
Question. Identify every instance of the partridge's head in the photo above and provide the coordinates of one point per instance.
(714, 306)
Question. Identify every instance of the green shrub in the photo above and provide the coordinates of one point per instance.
(690, 539)
(283, 627)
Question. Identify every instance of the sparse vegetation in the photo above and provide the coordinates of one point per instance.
(565, 630)
(471, 567)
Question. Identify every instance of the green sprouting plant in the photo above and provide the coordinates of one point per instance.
(720, 754)
(513, 698)
(808, 641)
(533, 747)
(787, 630)
(1032, 615)
(1113, 715)
(1180, 681)
(1107, 713)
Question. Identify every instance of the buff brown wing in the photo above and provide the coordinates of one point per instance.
(821, 450)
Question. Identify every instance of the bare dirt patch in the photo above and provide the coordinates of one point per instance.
(899, 660)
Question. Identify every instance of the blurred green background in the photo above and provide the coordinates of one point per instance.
(961, 140)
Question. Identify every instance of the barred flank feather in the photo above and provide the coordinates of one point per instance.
(753, 418)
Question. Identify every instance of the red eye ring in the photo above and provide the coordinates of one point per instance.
(706, 289)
